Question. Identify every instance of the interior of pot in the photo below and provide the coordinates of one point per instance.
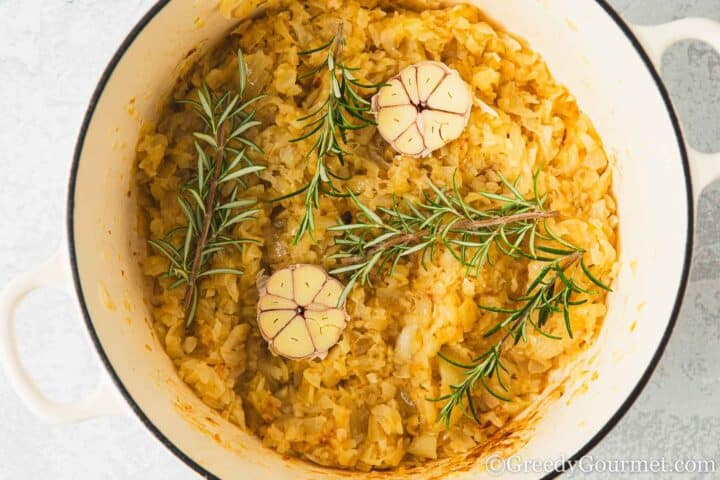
(584, 48)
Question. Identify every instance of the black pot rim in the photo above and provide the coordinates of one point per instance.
(595, 440)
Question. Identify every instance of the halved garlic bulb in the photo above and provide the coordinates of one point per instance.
(423, 108)
(298, 311)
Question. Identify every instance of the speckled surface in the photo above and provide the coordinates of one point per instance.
(46, 84)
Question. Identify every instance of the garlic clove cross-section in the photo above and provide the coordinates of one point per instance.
(423, 108)
(298, 313)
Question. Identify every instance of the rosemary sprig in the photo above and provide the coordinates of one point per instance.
(378, 241)
(222, 164)
(550, 292)
(343, 110)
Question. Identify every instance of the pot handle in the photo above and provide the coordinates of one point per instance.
(102, 401)
(704, 167)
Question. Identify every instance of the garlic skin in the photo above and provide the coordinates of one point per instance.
(423, 108)
(297, 311)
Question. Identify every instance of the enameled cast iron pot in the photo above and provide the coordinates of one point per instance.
(611, 68)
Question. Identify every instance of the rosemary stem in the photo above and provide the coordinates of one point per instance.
(571, 260)
(339, 41)
(473, 225)
(210, 210)
(496, 222)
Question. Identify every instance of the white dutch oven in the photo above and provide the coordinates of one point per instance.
(588, 48)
